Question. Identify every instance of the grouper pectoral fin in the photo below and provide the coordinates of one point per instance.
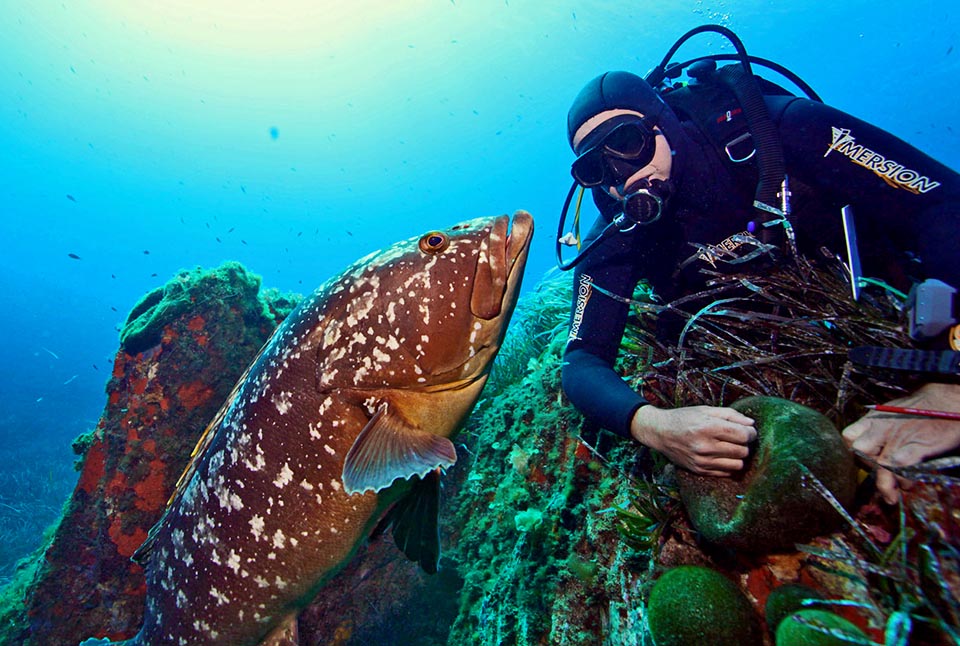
(415, 522)
(389, 448)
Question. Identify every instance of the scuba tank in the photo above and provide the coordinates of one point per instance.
(728, 105)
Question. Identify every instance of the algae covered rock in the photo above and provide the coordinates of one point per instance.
(230, 282)
(818, 628)
(771, 504)
(691, 604)
(185, 347)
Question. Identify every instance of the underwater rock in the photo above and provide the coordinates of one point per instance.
(185, 292)
(770, 505)
(160, 398)
(818, 628)
(691, 604)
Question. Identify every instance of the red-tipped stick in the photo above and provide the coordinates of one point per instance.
(923, 412)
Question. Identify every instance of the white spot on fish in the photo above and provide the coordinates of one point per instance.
(221, 598)
(329, 449)
(279, 539)
(229, 500)
(259, 462)
(256, 526)
(233, 561)
(282, 402)
(285, 477)
(331, 336)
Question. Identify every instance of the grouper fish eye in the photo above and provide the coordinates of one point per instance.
(346, 417)
(434, 242)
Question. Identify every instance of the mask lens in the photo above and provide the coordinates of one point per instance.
(629, 141)
(588, 169)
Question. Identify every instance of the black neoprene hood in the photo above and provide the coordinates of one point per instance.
(609, 91)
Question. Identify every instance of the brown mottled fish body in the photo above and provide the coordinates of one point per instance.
(384, 361)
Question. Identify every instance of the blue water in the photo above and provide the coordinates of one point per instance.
(146, 137)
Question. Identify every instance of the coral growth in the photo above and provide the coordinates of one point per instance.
(786, 600)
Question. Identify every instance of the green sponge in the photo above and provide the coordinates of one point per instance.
(691, 604)
(813, 627)
(786, 600)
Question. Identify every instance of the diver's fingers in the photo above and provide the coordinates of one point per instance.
(868, 435)
(735, 433)
(718, 449)
(716, 466)
(855, 431)
(887, 486)
(735, 416)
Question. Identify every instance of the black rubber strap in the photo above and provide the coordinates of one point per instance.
(942, 362)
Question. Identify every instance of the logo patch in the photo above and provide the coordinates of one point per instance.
(893, 173)
(583, 297)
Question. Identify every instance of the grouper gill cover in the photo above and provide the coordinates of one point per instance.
(349, 408)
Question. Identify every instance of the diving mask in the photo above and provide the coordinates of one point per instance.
(626, 148)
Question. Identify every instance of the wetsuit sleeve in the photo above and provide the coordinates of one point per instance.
(597, 322)
(896, 190)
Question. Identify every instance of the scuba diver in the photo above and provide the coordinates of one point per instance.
(728, 172)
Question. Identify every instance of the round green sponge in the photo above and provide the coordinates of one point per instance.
(813, 627)
(691, 604)
(786, 600)
(770, 505)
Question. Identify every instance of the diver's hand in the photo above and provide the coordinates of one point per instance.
(904, 440)
(708, 440)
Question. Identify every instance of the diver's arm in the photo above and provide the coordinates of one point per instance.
(597, 322)
(705, 439)
(915, 201)
(893, 186)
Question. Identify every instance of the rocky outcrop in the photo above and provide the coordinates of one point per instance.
(185, 345)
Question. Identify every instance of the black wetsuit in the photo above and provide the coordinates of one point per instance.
(907, 212)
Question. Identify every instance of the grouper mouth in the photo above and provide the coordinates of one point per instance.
(500, 265)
